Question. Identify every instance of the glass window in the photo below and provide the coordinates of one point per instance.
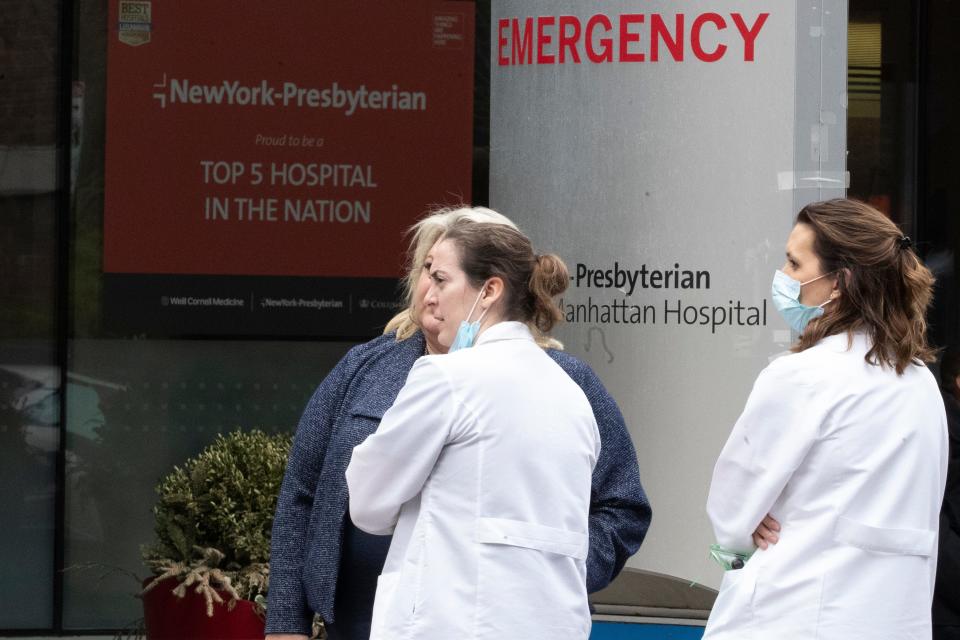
(901, 134)
(135, 409)
(881, 111)
(198, 308)
(939, 223)
(29, 376)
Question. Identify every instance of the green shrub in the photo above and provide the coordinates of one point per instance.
(215, 514)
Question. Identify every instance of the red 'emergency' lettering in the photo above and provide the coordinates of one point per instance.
(695, 41)
(607, 43)
(749, 35)
(626, 37)
(636, 37)
(543, 39)
(522, 45)
(659, 31)
(502, 26)
(568, 42)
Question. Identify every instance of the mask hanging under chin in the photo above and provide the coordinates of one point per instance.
(467, 332)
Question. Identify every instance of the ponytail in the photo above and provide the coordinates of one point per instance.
(548, 280)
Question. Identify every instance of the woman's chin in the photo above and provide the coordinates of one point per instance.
(444, 341)
(430, 326)
(434, 339)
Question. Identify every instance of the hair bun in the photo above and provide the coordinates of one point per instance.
(548, 280)
(551, 274)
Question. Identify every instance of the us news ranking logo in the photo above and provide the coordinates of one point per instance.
(134, 22)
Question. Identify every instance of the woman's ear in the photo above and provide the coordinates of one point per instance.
(842, 275)
(493, 290)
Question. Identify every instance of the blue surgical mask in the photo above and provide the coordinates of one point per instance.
(786, 298)
(467, 333)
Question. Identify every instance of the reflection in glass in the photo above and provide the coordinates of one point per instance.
(29, 379)
(135, 409)
(29, 434)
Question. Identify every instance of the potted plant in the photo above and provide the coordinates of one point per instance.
(211, 556)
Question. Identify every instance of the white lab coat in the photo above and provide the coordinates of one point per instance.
(481, 469)
(851, 460)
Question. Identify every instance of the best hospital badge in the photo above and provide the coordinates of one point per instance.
(134, 24)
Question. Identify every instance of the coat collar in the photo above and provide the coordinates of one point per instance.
(384, 373)
(507, 330)
(845, 340)
(415, 345)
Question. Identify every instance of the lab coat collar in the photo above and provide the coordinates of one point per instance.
(841, 342)
(507, 330)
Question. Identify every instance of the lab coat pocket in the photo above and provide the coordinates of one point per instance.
(877, 579)
(529, 535)
(733, 608)
(513, 548)
(737, 588)
(908, 542)
(383, 603)
(731, 577)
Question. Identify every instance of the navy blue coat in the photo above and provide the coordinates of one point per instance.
(344, 410)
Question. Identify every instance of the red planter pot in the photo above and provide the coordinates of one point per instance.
(168, 617)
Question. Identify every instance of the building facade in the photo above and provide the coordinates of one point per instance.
(202, 208)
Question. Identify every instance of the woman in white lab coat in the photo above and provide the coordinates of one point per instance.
(836, 467)
(481, 469)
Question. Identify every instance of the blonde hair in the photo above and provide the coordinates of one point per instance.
(423, 235)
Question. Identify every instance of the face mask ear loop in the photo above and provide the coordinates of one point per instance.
(828, 300)
(803, 284)
(475, 303)
(482, 313)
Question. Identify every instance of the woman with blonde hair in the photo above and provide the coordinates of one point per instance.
(320, 562)
(825, 499)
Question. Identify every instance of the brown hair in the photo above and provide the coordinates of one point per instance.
(423, 235)
(884, 288)
(530, 281)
